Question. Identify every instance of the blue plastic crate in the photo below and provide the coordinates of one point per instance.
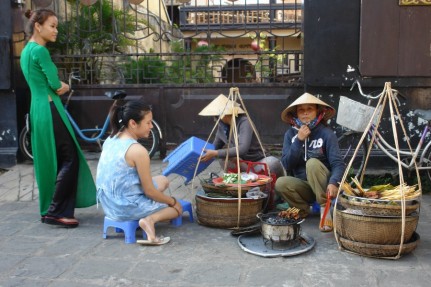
(184, 158)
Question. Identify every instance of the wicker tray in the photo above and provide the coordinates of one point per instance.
(373, 208)
(374, 230)
(230, 190)
(377, 250)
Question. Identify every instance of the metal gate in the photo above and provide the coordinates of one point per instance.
(179, 55)
(178, 42)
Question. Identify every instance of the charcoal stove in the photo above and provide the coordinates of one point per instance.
(279, 237)
(279, 232)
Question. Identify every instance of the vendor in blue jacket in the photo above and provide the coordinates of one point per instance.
(312, 155)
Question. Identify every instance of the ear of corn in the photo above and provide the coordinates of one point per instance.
(361, 191)
(395, 193)
(385, 191)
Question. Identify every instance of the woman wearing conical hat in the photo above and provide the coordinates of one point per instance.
(248, 145)
(311, 153)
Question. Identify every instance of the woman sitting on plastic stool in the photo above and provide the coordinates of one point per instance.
(248, 145)
(125, 187)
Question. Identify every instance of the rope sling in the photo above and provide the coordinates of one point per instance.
(389, 99)
(233, 98)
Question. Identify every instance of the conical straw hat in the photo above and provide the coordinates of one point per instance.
(306, 98)
(221, 106)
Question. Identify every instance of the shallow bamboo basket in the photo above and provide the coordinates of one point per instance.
(223, 213)
(374, 230)
(374, 208)
(379, 250)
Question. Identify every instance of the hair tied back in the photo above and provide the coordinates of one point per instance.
(120, 114)
(28, 13)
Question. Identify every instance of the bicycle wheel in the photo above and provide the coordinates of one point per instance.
(348, 143)
(151, 143)
(25, 144)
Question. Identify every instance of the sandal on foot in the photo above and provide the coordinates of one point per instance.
(158, 241)
(327, 225)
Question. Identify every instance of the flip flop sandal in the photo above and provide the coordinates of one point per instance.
(158, 241)
(326, 224)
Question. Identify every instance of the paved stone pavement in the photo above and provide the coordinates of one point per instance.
(34, 254)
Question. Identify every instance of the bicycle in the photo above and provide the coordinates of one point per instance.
(91, 135)
(421, 156)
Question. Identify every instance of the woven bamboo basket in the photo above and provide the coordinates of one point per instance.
(374, 230)
(223, 213)
(378, 250)
(377, 209)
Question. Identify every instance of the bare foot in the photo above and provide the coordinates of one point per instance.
(147, 224)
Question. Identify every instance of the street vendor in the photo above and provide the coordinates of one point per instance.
(312, 155)
(249, 148)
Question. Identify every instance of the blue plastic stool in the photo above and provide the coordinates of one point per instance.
(315, 208)
(187, 207)
(128, 227)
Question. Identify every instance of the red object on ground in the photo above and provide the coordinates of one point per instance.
(325, 212)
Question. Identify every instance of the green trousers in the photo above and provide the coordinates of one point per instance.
(300, 193)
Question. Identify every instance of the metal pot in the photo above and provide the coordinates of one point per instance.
(276, 230)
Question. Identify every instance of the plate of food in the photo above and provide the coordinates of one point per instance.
(247, 179)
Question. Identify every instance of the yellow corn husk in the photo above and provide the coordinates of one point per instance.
(410, 193)
(361, 191)
(348, 189)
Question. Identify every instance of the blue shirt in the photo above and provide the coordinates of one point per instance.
(322, 144)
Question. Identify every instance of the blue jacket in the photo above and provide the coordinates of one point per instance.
(321, 144)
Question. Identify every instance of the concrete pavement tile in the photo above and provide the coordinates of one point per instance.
(70, 246)
(16, 207)
(100, 269)
(40, 267)
(22, 245)
(410, 277)
(10, 229)
(161, 273)
(23, 282)
(7, 194)
(8, 263)
(11, 174)
(79, 283)
(212, 273)
(114, 247)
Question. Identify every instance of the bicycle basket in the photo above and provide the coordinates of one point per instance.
(354, 115)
